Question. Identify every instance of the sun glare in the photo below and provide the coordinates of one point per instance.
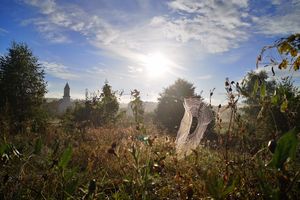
(156, 64)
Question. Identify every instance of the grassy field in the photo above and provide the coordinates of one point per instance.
(123, 163)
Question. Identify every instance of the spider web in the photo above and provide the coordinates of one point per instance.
(186, 141)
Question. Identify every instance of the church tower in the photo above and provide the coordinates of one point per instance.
(65, 102)
(67, 92)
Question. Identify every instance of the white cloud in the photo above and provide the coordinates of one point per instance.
(284, 20)
(95, 71)
(57, 20)
(216, 26)
(59, 71)
(46, 6)
(191, 27)
(134, 70)
(205, 77)
(3, 31)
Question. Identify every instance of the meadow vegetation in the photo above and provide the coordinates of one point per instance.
(94, 151)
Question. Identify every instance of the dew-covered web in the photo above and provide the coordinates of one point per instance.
(193, 125)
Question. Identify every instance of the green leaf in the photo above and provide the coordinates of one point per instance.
(3, 148)
(274, 100)
(65, 158)
(286, 148)
(284, 105)
(229, 189)
(71, 186)
(255, 88)
(263, 90)
(38, 146)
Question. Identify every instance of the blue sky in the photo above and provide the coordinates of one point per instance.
(146, 44)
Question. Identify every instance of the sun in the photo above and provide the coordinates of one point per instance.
(156, 64)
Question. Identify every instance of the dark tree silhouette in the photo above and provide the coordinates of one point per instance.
(22, 87)
(170, 108)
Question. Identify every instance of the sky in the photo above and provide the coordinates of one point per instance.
(146, 44)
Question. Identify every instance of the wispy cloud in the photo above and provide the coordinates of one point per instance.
(95, 71)
(134, 70)
(3, 31)
(187, 26)
(205, 77)
(59, 71)
(59, 19)
(284, 20)
(217, 26)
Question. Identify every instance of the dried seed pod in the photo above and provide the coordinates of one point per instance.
(272, 145)
(92, 186)
(113, 145)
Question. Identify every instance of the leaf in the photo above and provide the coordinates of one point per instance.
(261, 112)
(255, 88)
(286, 148)
(38, 146)
(3, 148)
(293, 52)
(65, 158)
(274, 100)
(283, 64)
(71, 186)
(229, 189)
(284, 47)
(284, 105)
(296, 64)
(263, 90)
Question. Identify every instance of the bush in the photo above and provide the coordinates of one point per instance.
(170, 108)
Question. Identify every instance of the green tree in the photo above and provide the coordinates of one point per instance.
(284, 102)
(170, 108)
(286, 105)
(109, 104)
(260, 121)
(22, 87)
(98, 109)
(250, 88)
(137, 108)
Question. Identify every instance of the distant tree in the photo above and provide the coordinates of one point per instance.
(286, 105)
(250, 88)
(274, 113)
(284, 101)
(109, 104)
(137, 108)
(22, 87)
(98, 109)
(170, 108)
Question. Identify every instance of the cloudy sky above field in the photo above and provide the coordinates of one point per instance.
(145, 44)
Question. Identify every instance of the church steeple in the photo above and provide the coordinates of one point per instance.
(67, 91)
(65, 102)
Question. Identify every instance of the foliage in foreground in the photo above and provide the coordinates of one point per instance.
(121, 163)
